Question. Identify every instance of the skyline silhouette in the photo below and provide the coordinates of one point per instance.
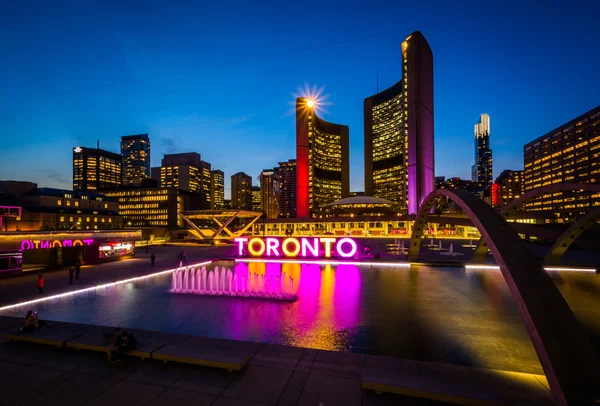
(204, 79)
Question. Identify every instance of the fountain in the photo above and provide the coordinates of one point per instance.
(227, 283)
(451, 251)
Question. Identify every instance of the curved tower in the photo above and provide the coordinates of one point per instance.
(398, 125)
(322, 160)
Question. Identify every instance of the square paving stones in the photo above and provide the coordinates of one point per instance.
(171, 397)
(346, 364)
(307, 360)
(75, 391)
(8, 368)
(99, 365)
(203, 380)
(235, 402)
(127, 393)
(158, 373)
(293, 389)
(278, 356)
(259, 384)
(331, 391)
(24, 380)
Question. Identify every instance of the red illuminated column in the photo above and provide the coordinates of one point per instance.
(302, 162)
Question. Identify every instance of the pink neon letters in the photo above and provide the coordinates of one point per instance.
(37, 244)
(292, 247)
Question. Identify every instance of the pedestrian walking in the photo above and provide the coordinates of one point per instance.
(40, 284)
(77, 269)
(182, 259)
(71, 274)
(152, 259)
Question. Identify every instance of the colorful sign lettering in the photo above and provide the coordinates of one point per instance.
(37, 244)
(292, 247)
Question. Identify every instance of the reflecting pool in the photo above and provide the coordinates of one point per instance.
(437, 314)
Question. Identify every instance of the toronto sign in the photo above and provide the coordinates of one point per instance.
(292, 247)
(41, 244)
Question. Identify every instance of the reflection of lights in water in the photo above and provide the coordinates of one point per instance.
(328, 306)
(326, 262)
(105, 285)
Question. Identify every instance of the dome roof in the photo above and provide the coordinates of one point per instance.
(361, 200)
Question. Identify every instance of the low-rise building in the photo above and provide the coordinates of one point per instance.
(57, 209)
(509, 185)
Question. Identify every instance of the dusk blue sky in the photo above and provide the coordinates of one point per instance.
(220, 78)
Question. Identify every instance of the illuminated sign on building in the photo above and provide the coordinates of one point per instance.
(293, 247)
(42, 244)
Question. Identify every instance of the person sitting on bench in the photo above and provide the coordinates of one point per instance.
(30, 322)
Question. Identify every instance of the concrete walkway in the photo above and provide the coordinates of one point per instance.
(270, 374)
(41, 375)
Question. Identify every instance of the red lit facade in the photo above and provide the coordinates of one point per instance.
(322, 161)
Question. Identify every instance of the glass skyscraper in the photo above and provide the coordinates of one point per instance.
(286, 175)
(241, 191)
(135, 151)
(398, 129)
(217, 189)
(269, 193)
(482, 170)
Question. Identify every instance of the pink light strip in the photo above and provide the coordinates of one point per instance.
(308, 261)
(106, 285)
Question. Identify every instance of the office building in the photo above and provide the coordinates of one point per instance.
(567, 154)
(205, 183)
(256, 198)
(58, 209)
(150, 207)
(398, 128)
(241, 193)
(509, 185)
(322, 161)
(95, 169)
(445, 205)
(217, 189)
(181, 171)
(269, 193)
(481, 172)
(286, 175)
(135, 152)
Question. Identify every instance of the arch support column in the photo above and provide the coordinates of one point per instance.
(569, 360)
(569, 236)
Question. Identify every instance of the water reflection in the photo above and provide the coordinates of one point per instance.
(427, 313)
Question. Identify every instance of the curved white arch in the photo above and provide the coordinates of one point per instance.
(569, 360)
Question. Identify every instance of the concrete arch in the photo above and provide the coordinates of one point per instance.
(510, 209)
(570, 235)
(568, 358)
